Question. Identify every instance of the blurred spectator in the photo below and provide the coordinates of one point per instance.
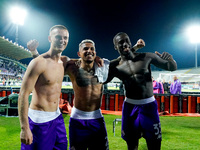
(175, 87)
(166, 86)
(4, 82)
(161, 89)
(169, 83)
(155, 86)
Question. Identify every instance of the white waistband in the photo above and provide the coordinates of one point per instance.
(79, 114)
(139, 101)
(38, 116)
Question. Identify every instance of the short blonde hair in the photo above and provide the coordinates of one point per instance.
(86, 41)
(57, 27)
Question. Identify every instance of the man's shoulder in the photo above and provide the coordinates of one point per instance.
(38, 64)
(40, 58)
(115, 62)
(65, 58)
(147, 54)
(73, 63)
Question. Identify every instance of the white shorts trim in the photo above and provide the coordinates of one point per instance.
(140, 101)
(79, 114)
(38, 116)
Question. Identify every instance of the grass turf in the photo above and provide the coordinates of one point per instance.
(178, 133)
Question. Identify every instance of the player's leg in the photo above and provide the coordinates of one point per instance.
(44, 136)
(151, 125)
(61, 135)
(132, 144)
(78, 134)
(131, 131)
(99, 138)
(154, 144)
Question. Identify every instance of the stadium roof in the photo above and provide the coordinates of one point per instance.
(13, 50)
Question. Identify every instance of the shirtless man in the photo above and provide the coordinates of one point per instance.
(42, 124)
(87, 126)
(140, 117)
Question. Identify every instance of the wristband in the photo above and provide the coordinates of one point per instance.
(34, 52)
(135, 47)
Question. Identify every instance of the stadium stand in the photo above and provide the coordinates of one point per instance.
(11, 70)
(13, 50)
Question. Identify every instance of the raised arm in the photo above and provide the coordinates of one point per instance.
(32, 73)
(32, 46)
(139, 44)
(164, 61)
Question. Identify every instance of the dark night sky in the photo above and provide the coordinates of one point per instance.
(161, 23)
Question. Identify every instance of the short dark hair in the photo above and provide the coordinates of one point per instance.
(57, 27)
(118, 34)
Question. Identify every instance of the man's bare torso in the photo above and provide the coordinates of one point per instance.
(136, 76)
(48, 86)
(87, 89)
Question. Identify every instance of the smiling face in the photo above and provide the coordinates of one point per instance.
(87, 52)
(122, 44)
(59, 39)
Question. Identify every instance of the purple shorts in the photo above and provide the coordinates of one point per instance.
(88, 133)
(141, 121)
(48, 136)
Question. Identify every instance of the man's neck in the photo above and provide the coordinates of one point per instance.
(131, 56)
(87, 66)
(54, 54)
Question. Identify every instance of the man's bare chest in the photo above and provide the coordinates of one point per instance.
(130, 67)
(85, 78)
(53, 74)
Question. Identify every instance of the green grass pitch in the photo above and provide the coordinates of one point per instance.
(178, 133)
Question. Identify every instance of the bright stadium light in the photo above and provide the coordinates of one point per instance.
(194, 34)
(17, 16)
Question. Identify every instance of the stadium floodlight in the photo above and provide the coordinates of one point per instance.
(194, 34)
(17, 16)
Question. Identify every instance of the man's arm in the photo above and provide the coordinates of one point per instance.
(29, 80)
(139, 44)
(32, 46)
(164, 61)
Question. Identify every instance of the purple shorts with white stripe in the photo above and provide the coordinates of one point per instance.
(141, 121)
(48, 136)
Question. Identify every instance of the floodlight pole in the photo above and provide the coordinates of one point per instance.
(16, 34)
(196, 55)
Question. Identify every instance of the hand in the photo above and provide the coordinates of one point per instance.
(26, 136)
(164, 55)
(32, 45)
(140, 43)
(99, 61)
(78, 62)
